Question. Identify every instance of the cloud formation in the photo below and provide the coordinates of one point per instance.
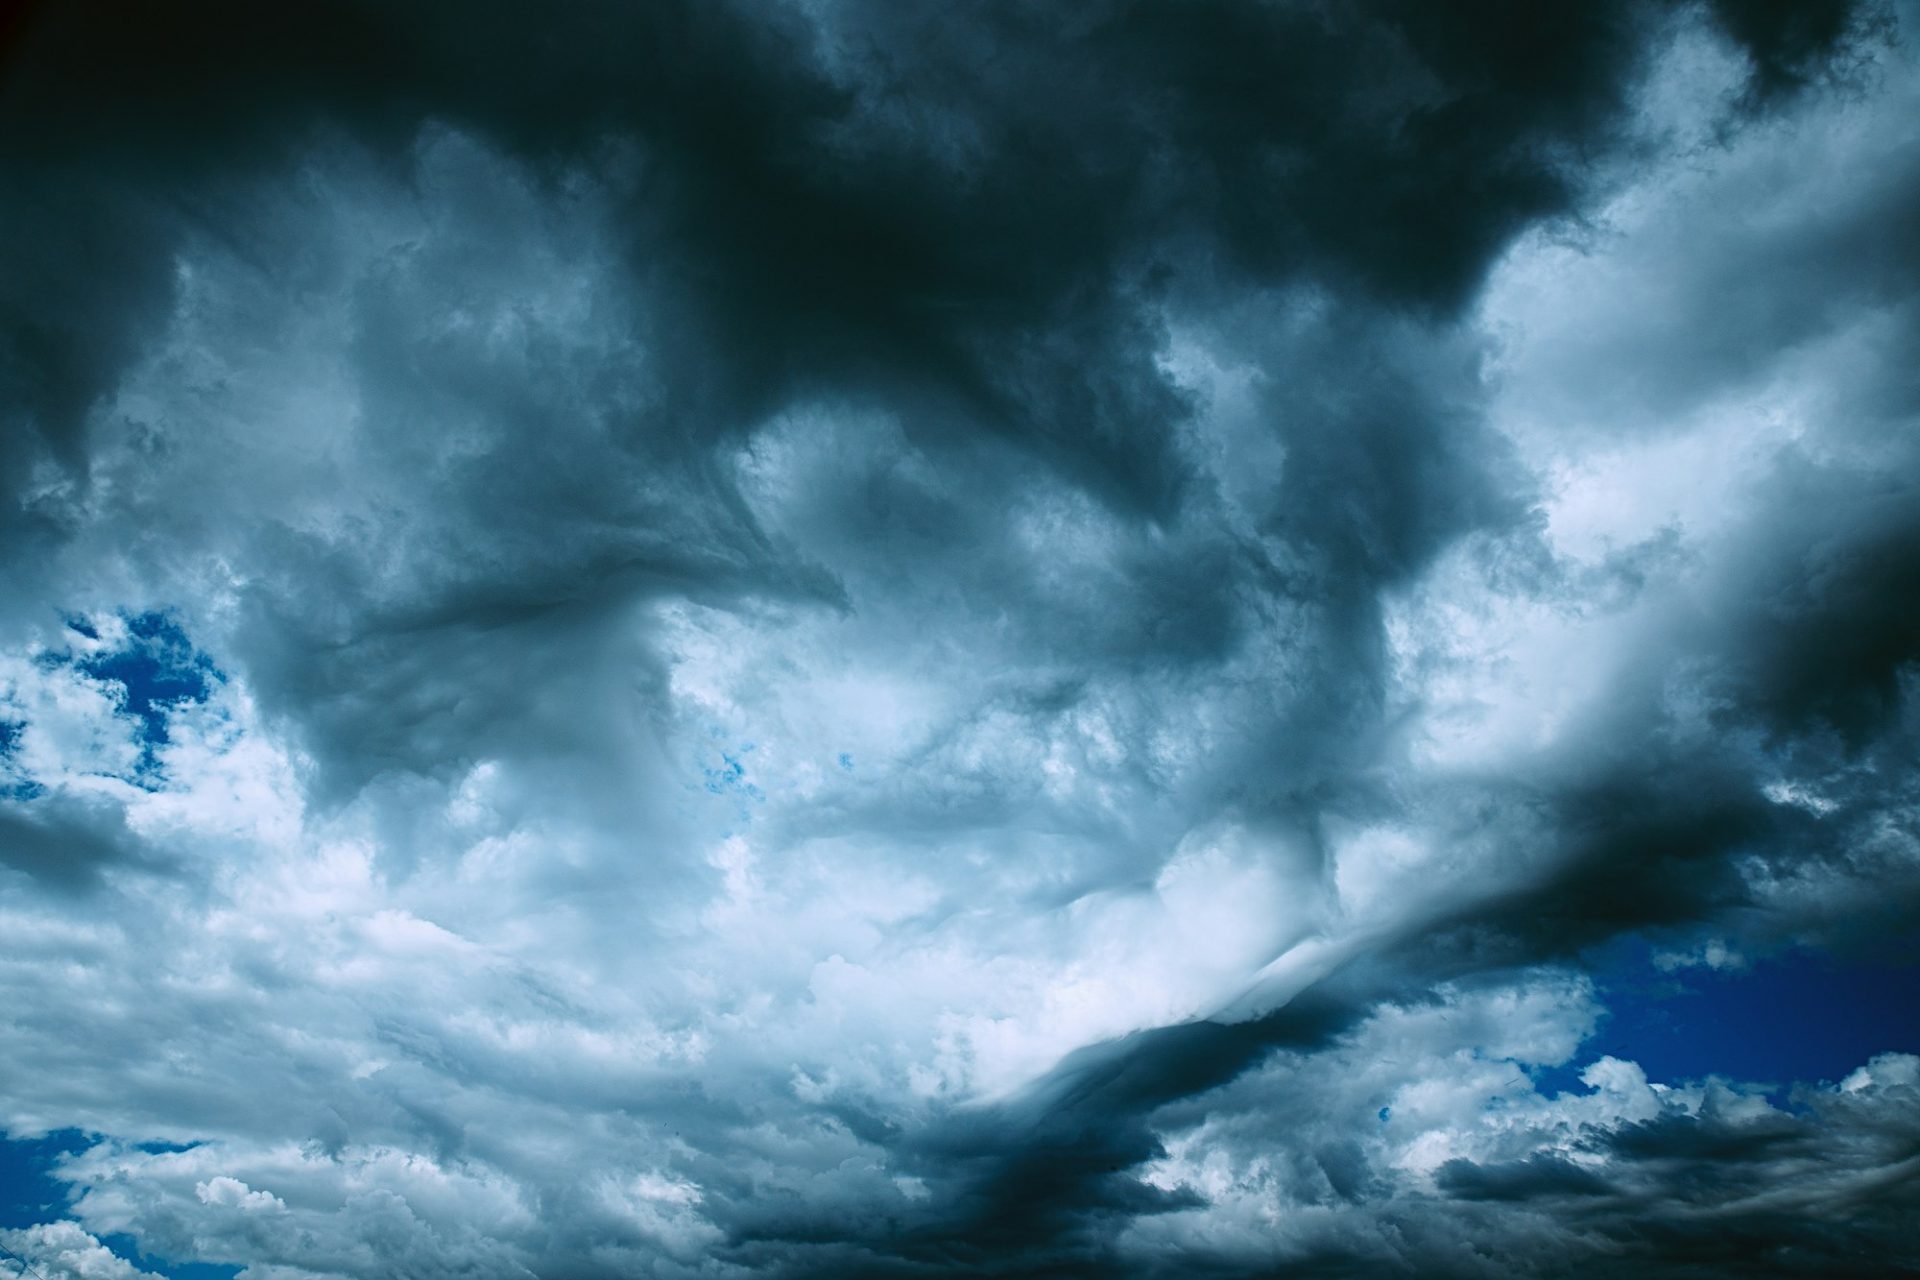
(849, 639)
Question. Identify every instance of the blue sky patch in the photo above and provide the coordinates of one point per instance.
(29, 1194)
(154, 670)
(14, 785)
(1798, 1016)
(158, 669)
(126, 1247)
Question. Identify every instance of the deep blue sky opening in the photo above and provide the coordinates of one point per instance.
(31, 1195)
(1801, 1016)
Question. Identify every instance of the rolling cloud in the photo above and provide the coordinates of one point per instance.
(864, 639)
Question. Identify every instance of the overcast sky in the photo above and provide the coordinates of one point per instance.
(846, 638)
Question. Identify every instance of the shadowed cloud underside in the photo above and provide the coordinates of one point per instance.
(825, 638)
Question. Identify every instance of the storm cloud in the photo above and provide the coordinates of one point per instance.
(827, 638)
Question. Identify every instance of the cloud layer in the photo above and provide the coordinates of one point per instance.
(854, 639)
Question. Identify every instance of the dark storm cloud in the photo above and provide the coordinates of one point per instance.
(1751, 1194)
(66, 842)
(964, 202)
(1529, 1179)
(1792, 44)
(1805, 648)
(1616, 1178)
(1055, 438)
(1827, 640)
(970, 217)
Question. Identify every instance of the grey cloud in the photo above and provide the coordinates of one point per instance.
(1614, 1178)
(1536, 1176)
(67, 841)
(865, 640)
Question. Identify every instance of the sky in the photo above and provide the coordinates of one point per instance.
(865, 638)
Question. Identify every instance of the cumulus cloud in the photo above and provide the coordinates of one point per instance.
(849, 639)
(62, 1251)
(1425, 1142)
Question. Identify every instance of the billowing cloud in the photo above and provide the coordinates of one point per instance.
(849, 639)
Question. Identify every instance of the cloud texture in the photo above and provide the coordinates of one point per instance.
(857, 639)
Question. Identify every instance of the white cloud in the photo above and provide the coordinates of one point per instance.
(665, 816)
(63, 1251)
